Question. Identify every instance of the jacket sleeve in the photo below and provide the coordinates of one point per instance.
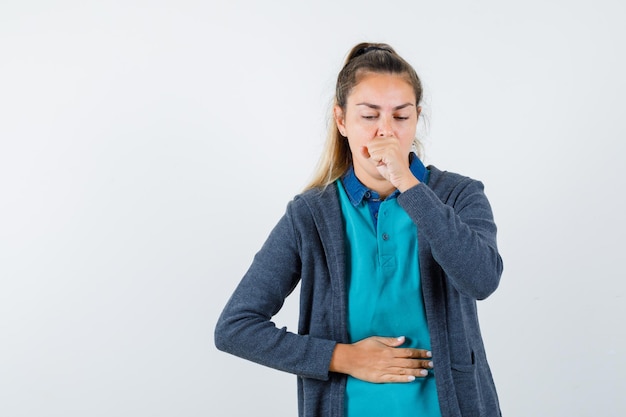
(461, 233)
(245, 328)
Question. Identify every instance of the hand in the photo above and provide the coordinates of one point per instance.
(390, 161)
(379, 359)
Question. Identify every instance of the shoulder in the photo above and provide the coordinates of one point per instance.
(449, 185)
(317, 209)
(441, 178)
(315, 199)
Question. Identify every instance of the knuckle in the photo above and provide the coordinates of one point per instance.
(412, 364)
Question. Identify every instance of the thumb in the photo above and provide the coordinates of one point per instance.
(392, 341)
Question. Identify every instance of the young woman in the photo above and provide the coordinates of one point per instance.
(391, 257)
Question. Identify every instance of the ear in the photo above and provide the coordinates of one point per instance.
(340, 119)
(419, 111)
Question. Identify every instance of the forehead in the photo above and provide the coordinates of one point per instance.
(384, 88)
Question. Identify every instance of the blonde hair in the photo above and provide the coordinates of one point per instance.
(364, 57)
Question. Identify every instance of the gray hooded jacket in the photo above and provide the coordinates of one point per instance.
(459, 264)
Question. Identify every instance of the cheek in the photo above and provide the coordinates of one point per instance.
(406, 139)
(353, 143)
(408, 132)
(360, 131)
(365, 132)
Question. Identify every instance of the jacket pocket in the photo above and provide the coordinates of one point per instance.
(466, 368)
(467, 390)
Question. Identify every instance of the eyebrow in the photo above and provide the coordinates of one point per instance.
(377, 107)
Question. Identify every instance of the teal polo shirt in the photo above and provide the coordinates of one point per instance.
(384, 295)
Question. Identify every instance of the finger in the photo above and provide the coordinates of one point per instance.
(413, 353)
(400, 378)
(418, 373)
(375, 158)
(404, 375)
(365, 152)
(391, 341)
(413, 364)
(382, 144)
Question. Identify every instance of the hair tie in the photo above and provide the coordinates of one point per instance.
(367, 49)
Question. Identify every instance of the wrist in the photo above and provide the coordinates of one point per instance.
(408, 183)
(339, 361)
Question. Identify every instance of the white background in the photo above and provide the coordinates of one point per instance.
(148, 147)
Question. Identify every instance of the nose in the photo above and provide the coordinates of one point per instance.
(384, 127)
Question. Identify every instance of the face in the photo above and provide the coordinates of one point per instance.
(379, 106)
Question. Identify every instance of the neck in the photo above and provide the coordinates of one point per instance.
(383, 187)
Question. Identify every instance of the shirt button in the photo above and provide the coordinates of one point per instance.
(367, 194)
(385, 236)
